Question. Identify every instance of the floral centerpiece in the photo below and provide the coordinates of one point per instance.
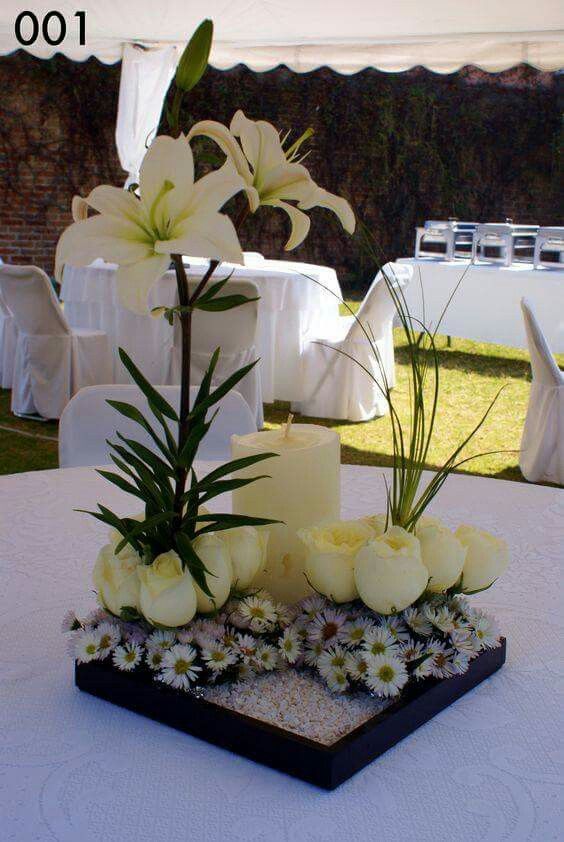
(175, 581)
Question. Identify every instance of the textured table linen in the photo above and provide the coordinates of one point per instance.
(73, 767)
(486, 306)
(291, 306)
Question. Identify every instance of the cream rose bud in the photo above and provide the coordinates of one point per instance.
(441, 552)
(115, 578)
(247, 548)
(377, 523)
(331, 549)
(388, 571)
(486, 558)
(214, 553)
(167, 596)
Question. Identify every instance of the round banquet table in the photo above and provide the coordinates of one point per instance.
(291, 306)
(487, 305)
(78, 768)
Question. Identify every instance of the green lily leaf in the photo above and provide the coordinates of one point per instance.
(153, 396)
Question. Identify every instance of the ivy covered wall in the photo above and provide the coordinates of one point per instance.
(402, 147)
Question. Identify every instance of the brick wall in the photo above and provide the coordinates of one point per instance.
(403, 147)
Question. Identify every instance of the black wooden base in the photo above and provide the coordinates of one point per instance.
(325, 766)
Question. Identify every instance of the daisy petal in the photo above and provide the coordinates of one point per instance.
(135, 281)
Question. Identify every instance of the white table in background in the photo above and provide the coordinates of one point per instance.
(77, 768)
(486, 306)
(290, 307)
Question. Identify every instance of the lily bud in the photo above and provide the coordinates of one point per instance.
(194, 60)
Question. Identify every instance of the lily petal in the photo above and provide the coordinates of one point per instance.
(261, 143)
(135, 281)
(114, 201)
(213, 236)
(169, 160)
(116, 240)
(79, 208)
(299, 221)
(226, 142)
(210, 193)
(287, 181)
(323, 199)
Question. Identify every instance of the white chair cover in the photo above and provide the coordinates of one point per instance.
(334, 385)
(8, 339)
(234, 331)
(51, 361)
(88, 420)
(542, 445)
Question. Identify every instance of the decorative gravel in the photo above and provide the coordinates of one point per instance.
(298, 702)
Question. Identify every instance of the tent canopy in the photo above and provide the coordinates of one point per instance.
(350, 35)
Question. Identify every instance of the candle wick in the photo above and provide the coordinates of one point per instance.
(288, 425)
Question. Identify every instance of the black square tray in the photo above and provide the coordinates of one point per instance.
(324, 766)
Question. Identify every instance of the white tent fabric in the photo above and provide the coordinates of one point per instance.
(348, 37)
(144, 81)
(542, 445)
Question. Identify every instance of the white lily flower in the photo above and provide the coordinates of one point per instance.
(270, 174)
(173, 215)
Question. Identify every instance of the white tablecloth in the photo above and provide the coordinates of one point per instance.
(290, 307)
(76, 769)
(486, 306)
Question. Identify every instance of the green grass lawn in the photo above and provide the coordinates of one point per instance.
(471, 375)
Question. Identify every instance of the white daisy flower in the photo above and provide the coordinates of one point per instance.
(327, 626)
(86, 646)
(460, 662)
(185, 636)
(332, 659)
(135, 635)
(312, 605)
(353, 633)
(423, 670)
(229, 638)
(290, 645)
(337, 680)
(464, 640)
(259, 613)
(379, 641)
(160, 639)
(244, 673)
(127, 657)
(417, 622)
(386, 675)
(442, 618)
(486, 632)
(110, 636)
(154, 658)
(461, 605)
(439, 663)
(218, 657)
(356, 665)
(178, 669)
(312, 653)
(266, 657)
(396, 628)
(98, 615)
(411, 650)
(246, 646)
(70, 622)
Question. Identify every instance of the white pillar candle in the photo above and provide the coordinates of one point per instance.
(303, 488)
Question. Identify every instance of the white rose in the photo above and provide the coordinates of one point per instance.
(331, 549)
(247, 548)
(377, 523)
(115, 579)
(441, 552)
(167, 596)
(214, 553)
(388, 571)
(486, 559)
